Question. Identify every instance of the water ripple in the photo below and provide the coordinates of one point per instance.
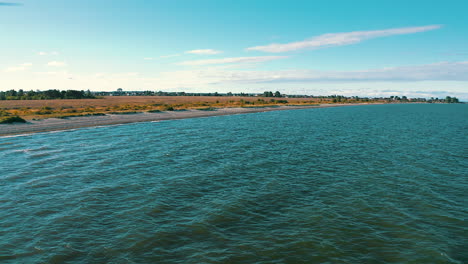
(367, 184)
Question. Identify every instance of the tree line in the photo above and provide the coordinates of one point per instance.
(75, 94)
(43, 95)
(448, 100)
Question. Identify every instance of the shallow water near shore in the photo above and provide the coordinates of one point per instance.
(358, 184)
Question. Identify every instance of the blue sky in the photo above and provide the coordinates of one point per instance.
(366, 48)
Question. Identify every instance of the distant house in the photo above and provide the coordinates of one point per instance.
(117, 93)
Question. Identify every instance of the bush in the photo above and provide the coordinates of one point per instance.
(168, 108)
(12, 119)
(79, 115)
(45, 110)
(42, 112)
(123, 113)
(154, 111)
(207, 109)
(4, 113)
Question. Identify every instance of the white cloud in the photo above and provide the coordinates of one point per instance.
(22, 67)
(232, 60)
(169, 56)
(340, 39)
(437, 80)
(442, 71)
(15, 69)
(57, 64)
(131, 74)
(52, 73)
(204, 52)
(44, 53)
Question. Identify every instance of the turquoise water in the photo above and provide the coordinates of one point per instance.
(359, 184)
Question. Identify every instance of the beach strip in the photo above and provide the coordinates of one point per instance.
(56, 124)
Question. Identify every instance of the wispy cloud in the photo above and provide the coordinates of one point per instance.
(340, 39)
(57, 64)
(204, 52)
(22, 67)
(232, 60)
(442, 71)
(162, 57)
(405, 80)
(44, 53)
(169, 56)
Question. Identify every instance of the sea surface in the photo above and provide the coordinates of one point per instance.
(357, 184)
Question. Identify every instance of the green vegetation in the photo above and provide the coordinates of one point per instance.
(20, 105)
(451, 100)
(12, 119)
(4, 113)
(43, 95)
(124, 113)
(271, 94)
(207, 109)
(404, 99)
(75, 94)
(90, 114)
(168, 108)
(45, 110)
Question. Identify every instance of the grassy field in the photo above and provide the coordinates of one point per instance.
(39, 109)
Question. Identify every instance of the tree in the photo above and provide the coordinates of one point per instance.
(31, 95)
(11, 93)
(52, 94)
(73, 94)
(277, 94)
(20, 93)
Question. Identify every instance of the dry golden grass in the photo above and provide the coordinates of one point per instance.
(30, 109)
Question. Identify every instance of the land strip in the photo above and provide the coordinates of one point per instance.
(56, 124)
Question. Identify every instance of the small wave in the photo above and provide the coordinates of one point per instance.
(41, 154)
(23, 150)
(41, 181)
(14, 136)
(230, 190)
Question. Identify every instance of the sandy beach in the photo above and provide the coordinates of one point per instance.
(56, 124)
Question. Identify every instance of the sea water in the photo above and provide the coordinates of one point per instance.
(357, 184)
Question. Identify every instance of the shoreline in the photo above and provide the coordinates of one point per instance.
(56, 124)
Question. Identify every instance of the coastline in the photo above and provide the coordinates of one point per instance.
(55, 124)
